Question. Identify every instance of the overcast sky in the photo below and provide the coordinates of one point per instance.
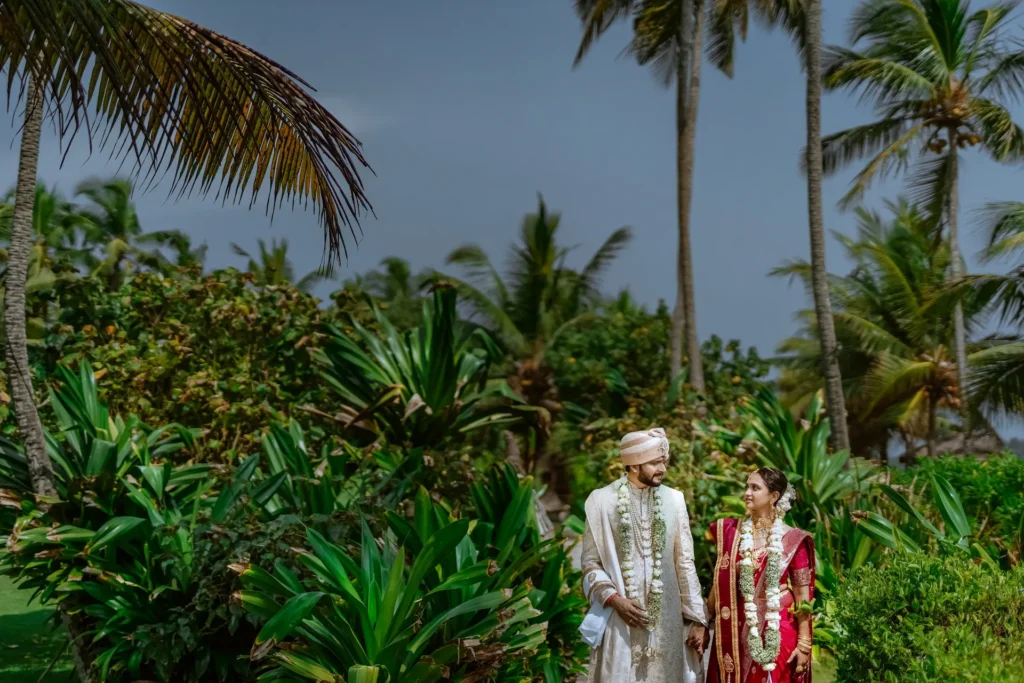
(468, 109)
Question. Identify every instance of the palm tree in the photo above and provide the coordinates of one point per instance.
(998, 378)
(396, 286)
(802, 20)
(172, 96)
(274, 268)
(668, 37)
(893, 317)
(940, 77)
(538, 298)
(112, 226)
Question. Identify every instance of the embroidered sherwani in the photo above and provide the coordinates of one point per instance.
(620, 656)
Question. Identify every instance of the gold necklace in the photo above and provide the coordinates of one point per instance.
(762, 524)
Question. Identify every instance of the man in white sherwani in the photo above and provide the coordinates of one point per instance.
(647, 619)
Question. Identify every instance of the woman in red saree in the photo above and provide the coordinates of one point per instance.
(768, 496)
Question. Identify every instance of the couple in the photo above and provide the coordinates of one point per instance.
(648, 620)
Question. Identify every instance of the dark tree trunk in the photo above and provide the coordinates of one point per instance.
(684, 316)
(834, 398)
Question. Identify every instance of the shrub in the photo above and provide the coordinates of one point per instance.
(992, 492)
(925, 618)
(214, 352)
(438, 596)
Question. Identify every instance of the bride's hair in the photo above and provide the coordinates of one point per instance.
(777, 482)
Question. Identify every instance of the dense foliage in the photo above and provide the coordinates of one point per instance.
(921, 618)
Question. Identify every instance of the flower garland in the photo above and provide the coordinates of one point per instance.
(627, 555)
(763, 652)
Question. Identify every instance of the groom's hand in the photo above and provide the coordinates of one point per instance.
(696, 637)
(631, 612)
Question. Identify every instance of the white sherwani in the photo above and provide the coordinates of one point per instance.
(618, 658)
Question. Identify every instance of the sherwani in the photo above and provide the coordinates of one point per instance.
(619, 657)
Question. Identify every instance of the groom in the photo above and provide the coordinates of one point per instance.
(639, 574)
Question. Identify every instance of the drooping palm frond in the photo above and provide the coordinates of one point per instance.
(1004, 224)
(930, 185)
(481, 271)
(997, 378)
(859, 142)
(588, 284)
(1003, 139)
(874, 78)
(597, 16)
(1004, 293)
(179, 99)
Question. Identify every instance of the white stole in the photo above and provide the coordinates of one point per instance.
(603, 625)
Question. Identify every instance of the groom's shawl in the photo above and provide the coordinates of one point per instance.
(603, 625)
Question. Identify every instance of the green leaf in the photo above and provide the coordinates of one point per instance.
(948, 502)
(281, 624)
(367, 674)
(112, 531)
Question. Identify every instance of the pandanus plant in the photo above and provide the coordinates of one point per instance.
(436, 598)
(421, 386)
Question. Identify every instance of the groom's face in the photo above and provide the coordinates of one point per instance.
(652, 473)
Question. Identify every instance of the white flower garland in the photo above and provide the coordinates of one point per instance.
(627, 556)
(763, 652)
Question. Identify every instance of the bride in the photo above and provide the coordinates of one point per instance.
(763, 587)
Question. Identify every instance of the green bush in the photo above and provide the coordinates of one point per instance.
(926, 618)
(991, 489)
(213, 352)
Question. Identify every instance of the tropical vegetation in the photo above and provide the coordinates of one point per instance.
(208, 473)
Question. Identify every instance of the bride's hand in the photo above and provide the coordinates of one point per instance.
(803, 661)
(695, 639)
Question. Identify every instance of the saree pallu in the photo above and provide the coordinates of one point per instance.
(730, 657)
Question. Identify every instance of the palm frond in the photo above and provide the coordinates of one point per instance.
(872, 338)
(1004, 224)
(727, 21)
(1004, 293)
(656, 32)
(597, 16)
(892, 376)
(843, 148)
(982, 28)
(997, 378)
(794, 269)
(480, 270)
(1003, 139)
(930, 186)
(1005, 79)
(602, 258)
(498, 321)
(179, 99)
(874, 78)
(893, 155)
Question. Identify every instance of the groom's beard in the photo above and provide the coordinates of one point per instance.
(652, 480)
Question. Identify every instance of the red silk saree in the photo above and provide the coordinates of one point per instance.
(730, 659)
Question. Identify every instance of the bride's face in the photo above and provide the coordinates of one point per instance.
(758, 498)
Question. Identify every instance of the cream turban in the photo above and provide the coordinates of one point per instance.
(636, 448)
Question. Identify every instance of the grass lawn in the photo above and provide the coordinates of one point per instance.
(27, 643)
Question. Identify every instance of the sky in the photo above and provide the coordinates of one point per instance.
(467, 110)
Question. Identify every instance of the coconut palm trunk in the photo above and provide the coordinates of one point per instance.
(18, 371)
(16, 347)
(684, 316)
(834, 398)
(956, 272)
